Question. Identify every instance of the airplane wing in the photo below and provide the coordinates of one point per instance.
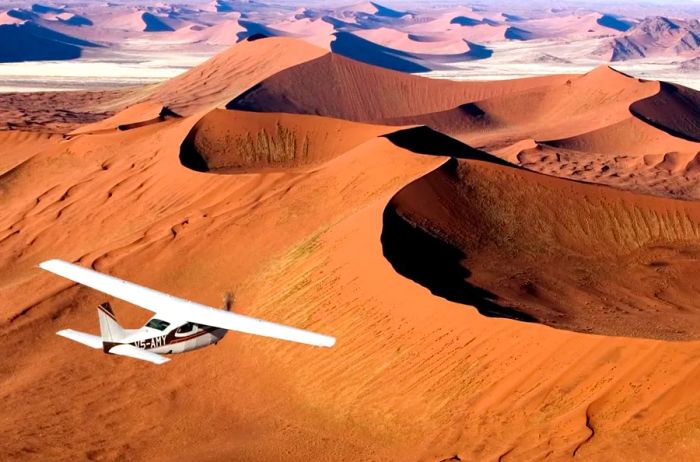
(177, 309)
(137, 353)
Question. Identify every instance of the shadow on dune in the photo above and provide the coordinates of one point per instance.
(165, 113)
(426, 259)
(425, 140)
(31, 42)
(613, 22)
(362, 50)
(674, 109)
(256, 31)
(516, 33)
(436, 265)
(153, 23)
(466, 21)
(359, 49)
(190, 156)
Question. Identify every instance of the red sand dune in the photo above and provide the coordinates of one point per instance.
(130, 21)
(228, 74)
(335, 86)
(630, 136)
(562, 107)
(537, 248)
(603, 113)
(413, 376)
(654, 36)
(572, 27)
(223, 33)
(431, 44)
(234, 142)
(674, 108)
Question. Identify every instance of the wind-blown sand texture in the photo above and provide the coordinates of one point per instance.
(483, 311)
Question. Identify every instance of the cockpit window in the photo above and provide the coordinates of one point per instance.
(157, 324)
(185, 328)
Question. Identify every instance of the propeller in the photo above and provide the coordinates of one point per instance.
(228, 301)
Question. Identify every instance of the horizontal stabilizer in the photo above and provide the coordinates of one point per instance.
(137, 353)
(93, 341)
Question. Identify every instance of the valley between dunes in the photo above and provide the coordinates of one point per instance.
(490, 300)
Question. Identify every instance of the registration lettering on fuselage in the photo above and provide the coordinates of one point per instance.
(149, 343)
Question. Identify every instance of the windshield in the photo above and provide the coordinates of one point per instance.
(157, 324)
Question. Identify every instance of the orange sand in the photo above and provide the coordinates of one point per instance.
(413, 376)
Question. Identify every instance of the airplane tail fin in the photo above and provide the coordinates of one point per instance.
(110, 330)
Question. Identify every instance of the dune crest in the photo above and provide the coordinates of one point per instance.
(233, 142)
(134, 116)
(228, 74)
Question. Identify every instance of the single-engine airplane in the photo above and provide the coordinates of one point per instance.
(178, 325)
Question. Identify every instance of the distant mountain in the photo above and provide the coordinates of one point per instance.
(655, 36)
(546, 58)
(690, 65)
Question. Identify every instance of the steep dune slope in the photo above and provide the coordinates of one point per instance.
(565, 254)
(674, 108)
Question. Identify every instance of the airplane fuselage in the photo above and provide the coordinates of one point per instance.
(173, 339)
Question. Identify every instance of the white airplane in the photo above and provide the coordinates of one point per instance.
(178, 325)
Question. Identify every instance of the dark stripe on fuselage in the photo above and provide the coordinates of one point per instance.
(171, 339)
(193, 336)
